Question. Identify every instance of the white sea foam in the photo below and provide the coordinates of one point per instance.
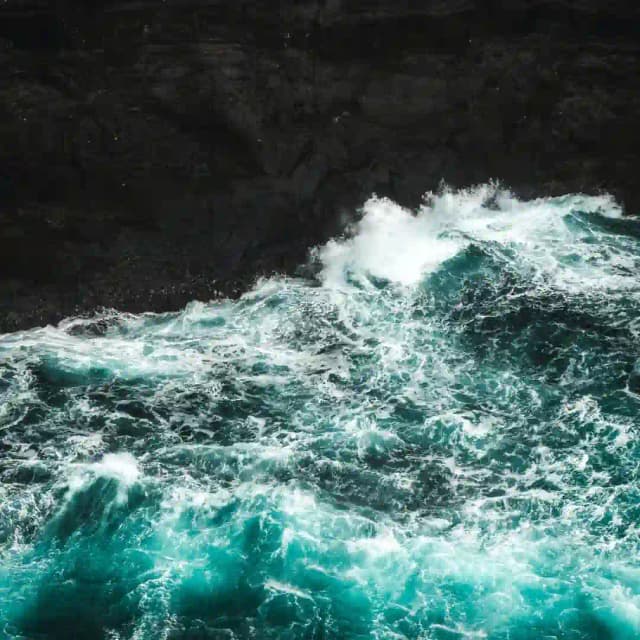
(121, 467)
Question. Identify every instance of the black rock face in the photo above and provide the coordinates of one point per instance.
(154, 152)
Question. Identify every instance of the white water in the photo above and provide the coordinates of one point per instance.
(436, 439)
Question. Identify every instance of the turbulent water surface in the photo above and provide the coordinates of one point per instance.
(431, 433)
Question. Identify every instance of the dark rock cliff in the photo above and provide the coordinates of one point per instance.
(152, 152)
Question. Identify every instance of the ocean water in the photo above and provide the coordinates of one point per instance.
(432, 432)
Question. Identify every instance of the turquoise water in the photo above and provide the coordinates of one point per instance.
(431, 433)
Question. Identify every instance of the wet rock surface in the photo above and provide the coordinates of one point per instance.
(157, 152)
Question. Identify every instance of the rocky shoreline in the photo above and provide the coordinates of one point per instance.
(153, 153)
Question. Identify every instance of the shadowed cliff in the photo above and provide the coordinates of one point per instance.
(155, 152)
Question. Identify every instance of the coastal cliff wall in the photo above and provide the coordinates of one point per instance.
(153, 152)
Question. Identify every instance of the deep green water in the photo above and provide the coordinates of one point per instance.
(433, 433)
